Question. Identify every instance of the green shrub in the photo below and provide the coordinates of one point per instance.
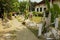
(40, 14)
(9, 15)
(37, 14)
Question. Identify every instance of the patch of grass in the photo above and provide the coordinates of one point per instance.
(36, 19)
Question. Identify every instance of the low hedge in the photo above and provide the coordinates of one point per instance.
(40, 14)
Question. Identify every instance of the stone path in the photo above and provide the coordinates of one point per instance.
(22, 32)
(25, 34)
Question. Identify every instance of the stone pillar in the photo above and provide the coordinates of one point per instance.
(56, 23)
(35, 9)
(44, 15)
(42, 9)
(40, 29)
(39, 9)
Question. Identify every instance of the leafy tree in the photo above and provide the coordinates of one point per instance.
(8, 5)
(55, 10)
(15, 6)
(5, 6)
(22, 7)
(48, 4)
(32, 6)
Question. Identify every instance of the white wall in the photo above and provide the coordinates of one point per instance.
(44, 6)
(39, 6)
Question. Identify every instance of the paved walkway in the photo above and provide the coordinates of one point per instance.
(23, 33)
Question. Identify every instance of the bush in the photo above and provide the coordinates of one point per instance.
(38, 14)
(34, 13)
(9, 16)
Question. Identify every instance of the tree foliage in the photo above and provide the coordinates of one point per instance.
(22, 7)
(48, 4)
(15, 6)
(8, 5)
(55, 10)
(32, 6)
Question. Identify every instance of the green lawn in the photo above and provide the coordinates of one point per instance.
(36, 19)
